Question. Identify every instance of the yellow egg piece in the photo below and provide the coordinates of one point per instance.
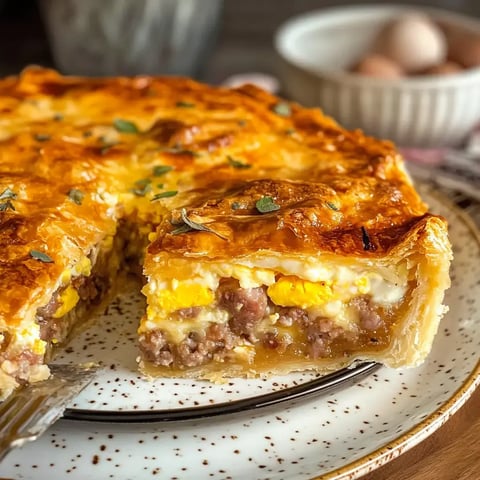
(84, 267)
(184, 295)
(291, 291)
(39, 347)
(68, 299)
(363, 285)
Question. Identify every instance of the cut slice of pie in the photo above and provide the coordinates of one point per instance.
(312, 283)
(271, 238)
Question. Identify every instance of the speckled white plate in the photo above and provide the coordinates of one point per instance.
(340, 435)
(120, 393)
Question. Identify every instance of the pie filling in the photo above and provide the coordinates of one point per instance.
(289, 320)
(79, 290)
(258, 318)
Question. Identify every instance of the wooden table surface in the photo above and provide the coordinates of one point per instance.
(451, 453)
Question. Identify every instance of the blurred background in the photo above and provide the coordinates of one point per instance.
(234, 35)
(434, 103)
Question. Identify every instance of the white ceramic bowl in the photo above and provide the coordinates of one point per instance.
(317, 48)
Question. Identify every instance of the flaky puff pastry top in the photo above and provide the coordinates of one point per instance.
(114, 140)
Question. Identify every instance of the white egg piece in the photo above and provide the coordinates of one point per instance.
(414, 42)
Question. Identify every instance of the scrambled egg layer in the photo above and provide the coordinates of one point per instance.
(287, 291)
(327, 297)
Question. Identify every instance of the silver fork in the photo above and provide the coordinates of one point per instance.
(30, 410)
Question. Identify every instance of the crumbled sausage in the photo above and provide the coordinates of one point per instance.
(155, 348)
(290, 315)
(369, 318)
(320, 334)
(247, 306)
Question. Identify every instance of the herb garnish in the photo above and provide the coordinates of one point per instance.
(42, 257)
(181, 229)
(106, 148)
(76, 196)
(283, 109)
(125, 126)
(7, 195)
(237, 163)
(167, 194)
(160, 170)
(236, 205)
(41, 137)
(8, 205)
(178, 150)
(183, 104)
(266, 205)
(142, 188)
(332, 206)
(189, 225)
(367, 243)
(142, 182)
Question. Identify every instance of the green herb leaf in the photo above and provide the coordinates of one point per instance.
(266, 205)
(76, 196)
(42, 257)
(182, 229)
(160, 185)
(183, 104)
(8, 193)
(160, 170)
(332, 206)
(167, 194)
(237, 163)
(142, 190)
(41, 137)
(143, 181)
(283, 109)
(8, 205)
(178, 150)
(125, 126)
(194, 226)
(106, 148)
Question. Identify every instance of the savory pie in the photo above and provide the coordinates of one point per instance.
(271, 239)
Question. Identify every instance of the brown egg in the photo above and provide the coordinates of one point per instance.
(446, 68)
(413, 41)
(464, 49)
(375, 65)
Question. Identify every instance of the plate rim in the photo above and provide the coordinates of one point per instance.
(409, 439)
(413, 436)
